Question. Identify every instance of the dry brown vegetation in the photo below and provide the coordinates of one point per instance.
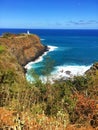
(24, 121)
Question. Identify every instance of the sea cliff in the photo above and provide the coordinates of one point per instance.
(25, 47)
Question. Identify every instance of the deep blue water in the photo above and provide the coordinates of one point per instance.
(75, 47)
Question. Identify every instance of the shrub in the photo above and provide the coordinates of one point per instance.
(2, 48)
(6, 35)
(84, 110)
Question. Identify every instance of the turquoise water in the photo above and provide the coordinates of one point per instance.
(72, 50)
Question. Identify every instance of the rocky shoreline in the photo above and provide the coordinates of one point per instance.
(40, 53)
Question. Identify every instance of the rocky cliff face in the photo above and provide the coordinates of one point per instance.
(24, 47)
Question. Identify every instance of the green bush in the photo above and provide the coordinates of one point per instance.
(7, 77)
(2, 48)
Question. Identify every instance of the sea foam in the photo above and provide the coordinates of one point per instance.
(65, 72)
(52, 48)
(72, 69)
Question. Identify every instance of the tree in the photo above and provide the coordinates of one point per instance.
(48, 65)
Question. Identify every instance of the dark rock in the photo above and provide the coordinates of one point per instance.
(68, 72)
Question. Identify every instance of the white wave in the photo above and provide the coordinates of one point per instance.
(29, 78)
(65, 72)
(74, 70)
(30, 64)
(52, 48)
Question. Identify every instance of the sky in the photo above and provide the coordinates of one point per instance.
(49, 14)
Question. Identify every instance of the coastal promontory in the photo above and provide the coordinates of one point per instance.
(25, 47)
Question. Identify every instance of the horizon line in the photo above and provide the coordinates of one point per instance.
(55, 28)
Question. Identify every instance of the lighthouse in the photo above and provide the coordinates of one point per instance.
(28, 32)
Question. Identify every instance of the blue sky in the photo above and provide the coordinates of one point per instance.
(51, 14)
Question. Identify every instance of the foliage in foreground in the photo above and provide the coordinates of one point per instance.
(60, 103)
(51, 106)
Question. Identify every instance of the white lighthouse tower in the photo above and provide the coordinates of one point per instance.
(28, 32)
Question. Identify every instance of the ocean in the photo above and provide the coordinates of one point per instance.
(74, 51)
